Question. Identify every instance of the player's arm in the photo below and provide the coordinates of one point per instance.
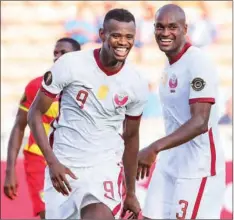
(15, 140)
(16, 137)
(203, 86)
(54, 81)
(14, 144)
(39, 107)
(131, 141)
(196, 125)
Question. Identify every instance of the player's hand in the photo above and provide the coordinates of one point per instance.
(58, 177)
(146, 157)
(11, 184)
(131, 206)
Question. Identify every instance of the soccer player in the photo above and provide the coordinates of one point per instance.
(98, 89)
(34, 161)
(189, 178)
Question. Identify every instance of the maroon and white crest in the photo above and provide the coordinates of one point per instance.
(120, 100)
(173, 82)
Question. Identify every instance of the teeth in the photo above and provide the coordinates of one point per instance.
(166, 40)
(121, 49)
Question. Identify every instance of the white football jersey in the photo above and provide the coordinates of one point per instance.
(93, 106)
(190, 78)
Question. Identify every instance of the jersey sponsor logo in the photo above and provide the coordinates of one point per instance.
(198, 84)
(173, 82)
(48, 78)
(120, 100)
(102, 92)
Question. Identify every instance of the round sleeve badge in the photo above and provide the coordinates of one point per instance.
(48, 78)
(198, 84)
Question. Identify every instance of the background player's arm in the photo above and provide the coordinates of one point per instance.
(14, 144)
(131, 141)
(16, 137)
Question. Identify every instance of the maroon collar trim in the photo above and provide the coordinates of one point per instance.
(180, 54)
(100, 65)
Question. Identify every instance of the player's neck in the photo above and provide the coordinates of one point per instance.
(111, 65)
(174, 56)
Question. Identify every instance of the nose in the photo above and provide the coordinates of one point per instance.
(122, 41)
(165, 32)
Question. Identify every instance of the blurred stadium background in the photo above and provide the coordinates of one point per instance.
(29, 30)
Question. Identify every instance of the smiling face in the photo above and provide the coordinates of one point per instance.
(170, 30)
(118, 39)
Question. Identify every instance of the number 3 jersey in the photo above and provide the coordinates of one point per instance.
(93, 104)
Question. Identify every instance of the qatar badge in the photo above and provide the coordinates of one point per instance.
(173, 83)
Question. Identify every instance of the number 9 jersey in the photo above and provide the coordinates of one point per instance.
(93, 105)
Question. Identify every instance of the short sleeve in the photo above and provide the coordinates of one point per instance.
(29, 94)
(58, 77)
(135, 108)
(203, 80)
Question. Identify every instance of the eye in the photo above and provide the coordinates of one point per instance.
(115, 36)
(159, 27)
(130, 37)
(173, 27)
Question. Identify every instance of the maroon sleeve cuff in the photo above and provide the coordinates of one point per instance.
(133, 117)
(202, 100)
(47, 93)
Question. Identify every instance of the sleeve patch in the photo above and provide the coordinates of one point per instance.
(48, 78)
(198, 84)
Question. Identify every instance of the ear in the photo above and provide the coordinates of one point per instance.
(102, 34)
(185, 29)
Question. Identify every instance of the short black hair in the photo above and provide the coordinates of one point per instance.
(119, 14)
(75, 44)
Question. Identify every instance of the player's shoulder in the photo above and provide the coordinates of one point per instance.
(34, 83)
(74, 55)
(196, 53)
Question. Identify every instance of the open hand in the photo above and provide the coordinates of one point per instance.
(58, 177)
(146, 157)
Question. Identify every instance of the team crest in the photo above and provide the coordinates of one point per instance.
(198, 84)
(173, 83)
(48, 78)
(120, 100)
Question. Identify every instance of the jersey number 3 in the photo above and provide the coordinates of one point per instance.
(184, 206)
(81, 97)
